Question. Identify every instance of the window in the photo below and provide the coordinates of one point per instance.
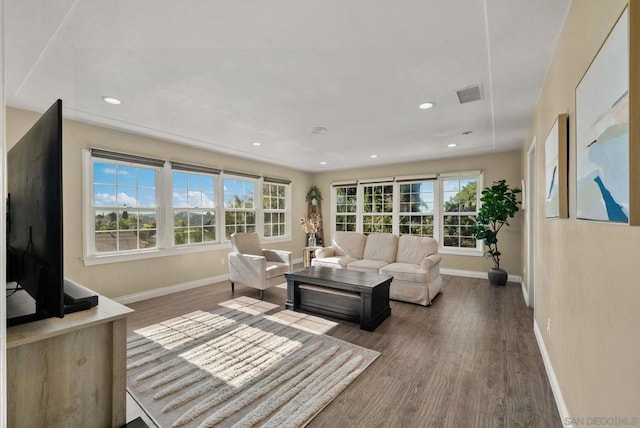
(274, 208)
(417, 208)
(346, 208)
(194, 214)
(140, 207)
(377, 216)
(459, 208)
(443, 207)
(123, 204)
(239, 205)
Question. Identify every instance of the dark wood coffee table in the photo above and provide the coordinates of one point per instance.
(345, 294)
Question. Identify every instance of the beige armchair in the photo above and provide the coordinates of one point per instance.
(253, 266)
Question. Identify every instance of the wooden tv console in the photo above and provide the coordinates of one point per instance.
(71, 371)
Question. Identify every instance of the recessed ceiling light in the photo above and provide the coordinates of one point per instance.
(323, 163)
(452, 145)
(426, 106)
(318, 130)
(374, 156)
(111, 100)
(256, 143)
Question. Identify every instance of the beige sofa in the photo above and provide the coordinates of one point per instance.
(412, 261)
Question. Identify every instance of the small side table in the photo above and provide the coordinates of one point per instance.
(307, 254)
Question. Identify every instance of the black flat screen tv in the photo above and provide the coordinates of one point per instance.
(34, 219)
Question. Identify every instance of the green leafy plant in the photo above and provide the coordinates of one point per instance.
(313, 193)
(499, 204)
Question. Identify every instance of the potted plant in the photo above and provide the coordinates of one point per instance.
(499, 204)
(314, 196)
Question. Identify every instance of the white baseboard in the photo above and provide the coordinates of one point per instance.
(525, 293)
(476, 274)
(170, 289)
(553, 380)
(163, 291)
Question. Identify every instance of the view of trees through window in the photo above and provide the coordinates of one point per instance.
(124, 206)
(417, 208)
(346, 208)
(377, 214)
(274, 209)
(443, 208)
(194, 219)
(460, 209)
(239, 206)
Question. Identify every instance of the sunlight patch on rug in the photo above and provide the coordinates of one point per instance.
(237, 366)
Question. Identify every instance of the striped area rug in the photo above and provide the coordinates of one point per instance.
(239, 367)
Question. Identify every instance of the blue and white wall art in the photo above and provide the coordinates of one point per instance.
(602, 132)
(552, 194)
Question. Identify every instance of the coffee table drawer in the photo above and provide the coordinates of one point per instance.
(336, 303)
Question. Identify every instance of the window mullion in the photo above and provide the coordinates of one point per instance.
(258, 207)
(395, 216)
(165, 210)
(359, 207)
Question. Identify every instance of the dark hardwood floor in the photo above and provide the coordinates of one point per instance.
(469, 360)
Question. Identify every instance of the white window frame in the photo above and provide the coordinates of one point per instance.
(433, 213)
(189, 210)
(257, 196)
(363, 214)
(164, 201)
(286, 211)
(90, 209)
(334, 199)
(478, 251)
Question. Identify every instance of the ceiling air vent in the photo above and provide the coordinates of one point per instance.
(472, 93)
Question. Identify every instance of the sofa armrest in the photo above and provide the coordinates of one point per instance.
(325, 252)
(431, 264)
(279, 256)
(247, 268)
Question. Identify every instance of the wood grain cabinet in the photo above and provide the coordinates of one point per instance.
(69, 372)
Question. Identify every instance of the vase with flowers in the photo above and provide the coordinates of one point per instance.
(310, 226)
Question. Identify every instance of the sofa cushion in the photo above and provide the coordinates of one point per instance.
(246, 243)
(336, 262)
(413, 249)
(349, 244)
(381, 246)
(406, 272)
(366, 265)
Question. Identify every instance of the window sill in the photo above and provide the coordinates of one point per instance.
(151, 254)
(473, 252)
(94, 260)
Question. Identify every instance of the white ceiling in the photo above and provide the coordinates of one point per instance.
(220, 75)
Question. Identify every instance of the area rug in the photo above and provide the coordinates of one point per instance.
(239, 367)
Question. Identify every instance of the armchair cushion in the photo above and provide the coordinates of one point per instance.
(276, 269)
(246, 243)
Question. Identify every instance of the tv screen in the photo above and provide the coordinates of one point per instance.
(34, 218)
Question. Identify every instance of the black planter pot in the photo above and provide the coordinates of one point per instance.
(498, 276)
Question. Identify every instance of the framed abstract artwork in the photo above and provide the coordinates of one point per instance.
(555, 170)
(602, 131)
